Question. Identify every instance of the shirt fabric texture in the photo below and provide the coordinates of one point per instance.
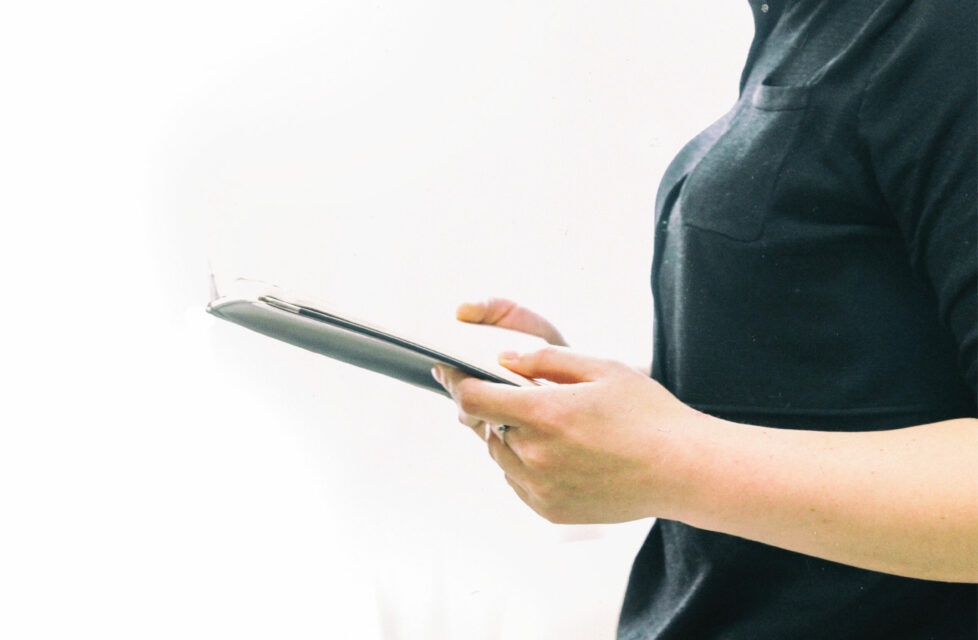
(815, 267)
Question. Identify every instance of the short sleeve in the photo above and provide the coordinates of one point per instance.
(918, 121)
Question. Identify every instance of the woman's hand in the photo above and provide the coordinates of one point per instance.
(599, 446)
(607, 444)
(504, 313)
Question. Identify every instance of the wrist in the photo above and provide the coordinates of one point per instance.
(688, 452)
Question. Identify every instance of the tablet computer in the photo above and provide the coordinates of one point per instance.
(326, 330)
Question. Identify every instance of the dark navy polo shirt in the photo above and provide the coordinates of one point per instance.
(815, 268)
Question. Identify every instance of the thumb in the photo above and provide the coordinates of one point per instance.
(502, 312)
(557, 364)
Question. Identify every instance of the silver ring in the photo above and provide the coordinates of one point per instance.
(501, 430)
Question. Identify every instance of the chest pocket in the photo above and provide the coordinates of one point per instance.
(730, 190)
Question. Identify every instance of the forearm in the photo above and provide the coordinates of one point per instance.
(903, 501)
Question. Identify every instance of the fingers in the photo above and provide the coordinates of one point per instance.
(488, 401)
(502, 451)
(479, 427)
(523, 494)
(557, 364)
(507, 458)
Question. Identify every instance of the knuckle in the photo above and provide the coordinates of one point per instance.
(469, 405)
(550, 494)
(626, 370)
(547, 355)
(551, 505)
(547, 493)
(535, 456)
(549, 513)
(547, 414)
(614, 366)
(558, 516)
(468, 420)
(468, 399)
(497, 309)
(493, 447)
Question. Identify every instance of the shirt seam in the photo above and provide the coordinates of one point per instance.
(871, 78)
(812, 411)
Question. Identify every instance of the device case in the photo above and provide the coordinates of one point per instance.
(317, 328)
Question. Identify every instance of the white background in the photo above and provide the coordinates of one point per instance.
(163, 474)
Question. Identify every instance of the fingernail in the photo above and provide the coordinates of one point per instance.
(509, 356)
(436, 374)
(467, 310)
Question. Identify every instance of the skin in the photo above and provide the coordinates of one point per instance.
(609, 444)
